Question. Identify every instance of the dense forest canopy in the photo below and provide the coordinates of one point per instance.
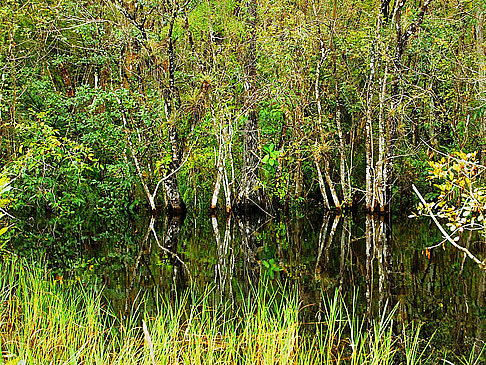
(235, 105)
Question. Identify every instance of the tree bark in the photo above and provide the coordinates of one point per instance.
(402, 38)
(481, 49)
(175, 204)
(369, 201)
(250, 196)
(327, 174)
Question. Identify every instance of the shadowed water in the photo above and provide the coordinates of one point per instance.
(384, 264)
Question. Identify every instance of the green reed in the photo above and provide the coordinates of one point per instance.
(44, 321)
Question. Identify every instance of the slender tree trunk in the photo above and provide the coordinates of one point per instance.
(381, 171)
(369, 201)
(223, 138)
(322, 184)
(227, 152)
(342, 161)
(298, 174)
(219, 162)
(174, 201)
(345, 189)
(481, 47)
(217, 184)
(171, 185)
(297, 135)
(327, 174)
(402, 37)
(317, 154)
(250, 196)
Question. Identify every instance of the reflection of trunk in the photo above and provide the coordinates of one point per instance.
(172, 231)
(345, 249)
(132, 277)
(369, 263)
(322, 242)
(377, 250)
(250, 195)
(225, 266)
(326, 237)
(481, 304)
(249, 244)
(385, 264)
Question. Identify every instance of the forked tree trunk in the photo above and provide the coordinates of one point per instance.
(174, 201)
(224, 138)
(317, 153)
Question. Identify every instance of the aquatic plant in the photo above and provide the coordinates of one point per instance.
(44, 320)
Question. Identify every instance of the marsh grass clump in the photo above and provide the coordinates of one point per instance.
(44, 321)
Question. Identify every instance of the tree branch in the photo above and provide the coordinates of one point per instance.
(481, 264)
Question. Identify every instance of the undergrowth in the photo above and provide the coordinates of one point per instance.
(46, 322)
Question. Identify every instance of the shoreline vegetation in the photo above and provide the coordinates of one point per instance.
(237, 107)
(108, 108)
(44, 320)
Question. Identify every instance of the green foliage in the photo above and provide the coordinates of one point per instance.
(52, 172)
(461, 198)
(271, 156)
(4, 189)
(70, 64)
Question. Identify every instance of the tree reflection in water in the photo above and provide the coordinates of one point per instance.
(316, 254)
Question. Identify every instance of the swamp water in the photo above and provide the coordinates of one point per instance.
(383, 265)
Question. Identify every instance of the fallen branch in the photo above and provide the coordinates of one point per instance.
(445, 234)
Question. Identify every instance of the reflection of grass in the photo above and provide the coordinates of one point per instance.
(44, 321)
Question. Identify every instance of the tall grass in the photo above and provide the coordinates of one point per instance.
(45, 322)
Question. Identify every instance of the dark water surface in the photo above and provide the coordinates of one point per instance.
(384, 264)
